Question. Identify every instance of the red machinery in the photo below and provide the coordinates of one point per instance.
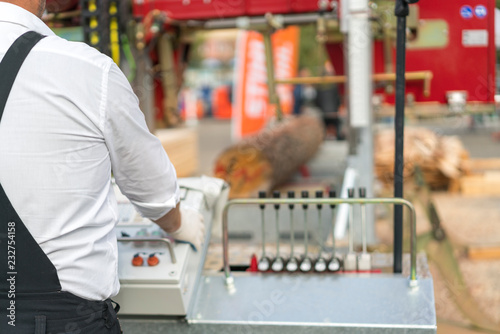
(217, 9)
(451, 46)
(450, 51)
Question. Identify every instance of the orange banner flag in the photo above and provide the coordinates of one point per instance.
(252, 109)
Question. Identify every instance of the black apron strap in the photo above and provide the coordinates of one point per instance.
(24, 267)
(11, 64)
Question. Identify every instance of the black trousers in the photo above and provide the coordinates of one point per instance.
(60, 313)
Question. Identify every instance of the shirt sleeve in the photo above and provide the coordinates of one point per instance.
(140, 165)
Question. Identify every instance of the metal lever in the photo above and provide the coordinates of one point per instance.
(364, 259)
(306, 263)
(350, 263)
(165, 240)
(264, 262)
(334, 264)
(320, 264)
(278, 263)
(293, 263)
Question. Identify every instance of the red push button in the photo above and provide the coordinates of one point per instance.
(137, 261)
(153, 260)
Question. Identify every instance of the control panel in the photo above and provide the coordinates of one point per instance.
(158, 275)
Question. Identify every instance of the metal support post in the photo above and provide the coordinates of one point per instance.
(401, 11)
(359, 58)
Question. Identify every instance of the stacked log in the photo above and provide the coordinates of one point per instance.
(441, 158)
(270, 158)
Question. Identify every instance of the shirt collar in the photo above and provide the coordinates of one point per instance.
(14, 14)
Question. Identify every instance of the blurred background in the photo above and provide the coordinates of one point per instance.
(216, 79)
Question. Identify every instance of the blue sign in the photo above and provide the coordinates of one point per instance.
(480, 11)
(466, 12)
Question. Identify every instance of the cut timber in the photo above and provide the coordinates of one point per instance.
(439, 157)
(482, 178)
(181, 146)
(270, 158)
(482, 164)
(487, 183)
(484, 252)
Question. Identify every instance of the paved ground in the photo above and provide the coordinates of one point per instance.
(214, 136)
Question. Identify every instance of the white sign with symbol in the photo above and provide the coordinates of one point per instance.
(466, 12)
(480, 11)
(475, 38)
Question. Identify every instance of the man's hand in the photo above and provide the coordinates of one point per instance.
(192, 228)
(184, 224)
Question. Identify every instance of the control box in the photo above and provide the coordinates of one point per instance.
(158, 275)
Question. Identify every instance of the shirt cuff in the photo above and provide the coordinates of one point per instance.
(155, 211)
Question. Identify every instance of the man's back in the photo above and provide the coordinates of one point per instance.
(64, 129)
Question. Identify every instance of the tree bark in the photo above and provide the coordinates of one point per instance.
(271, 157)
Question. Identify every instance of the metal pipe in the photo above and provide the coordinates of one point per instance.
(165, 240)
(245, 21)
(387, 50)
(387, 43)
(61, 16)
(292, 234)
(325, 201)
(427, 84)
(277, 219)
(399, 140)
(351, 223)
(362, 194)
(333, 194)
(426, 76)
(436, 110)
(271, 84)
(322, 80)
(169, 79)
(363, 227)
(263, 234)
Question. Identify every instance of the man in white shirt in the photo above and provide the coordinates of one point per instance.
(70, 119)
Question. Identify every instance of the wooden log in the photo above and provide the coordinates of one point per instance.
(270, 158)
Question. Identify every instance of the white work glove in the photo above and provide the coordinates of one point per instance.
(192, 227)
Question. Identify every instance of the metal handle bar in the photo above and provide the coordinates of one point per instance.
(325, 201)
(165, 240)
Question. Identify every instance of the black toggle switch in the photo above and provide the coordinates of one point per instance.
(305, 194)
(262, 194)
(319, 194)
(276, 194)
(332, 194)
(291, 194)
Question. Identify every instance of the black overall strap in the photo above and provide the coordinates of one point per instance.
(24, 267)
(12, 62)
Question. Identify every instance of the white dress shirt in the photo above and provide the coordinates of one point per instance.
(71, 119)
